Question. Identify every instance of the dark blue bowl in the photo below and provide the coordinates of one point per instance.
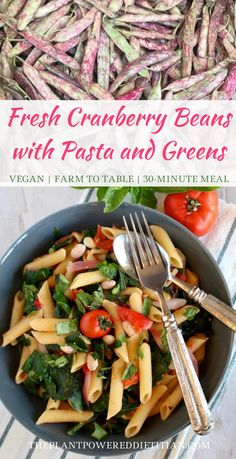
(35, 242)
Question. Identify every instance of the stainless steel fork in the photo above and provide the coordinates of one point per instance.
(150, 268)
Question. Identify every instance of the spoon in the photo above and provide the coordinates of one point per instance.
(210, 303)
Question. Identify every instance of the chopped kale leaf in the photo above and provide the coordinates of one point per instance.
(62, 308)
(109, 270)
(30, 293)
(35, 277)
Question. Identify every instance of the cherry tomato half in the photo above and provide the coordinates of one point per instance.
(196, 210)
(139, 321)
(131, 381)
(102, 241)
(95, 324)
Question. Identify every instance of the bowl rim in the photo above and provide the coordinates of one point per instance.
(100, 206)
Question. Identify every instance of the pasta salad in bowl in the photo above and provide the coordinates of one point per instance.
(85, 342)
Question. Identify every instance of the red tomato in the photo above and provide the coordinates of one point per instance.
(37, 304)
(136, 319)
(172, 372)
(74, 293)
(181, 276)
(131, 381)
(86, 369)
(95, 324)
(196, 210)
(101, 241)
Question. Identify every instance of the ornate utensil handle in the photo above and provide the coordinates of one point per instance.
(195, 401)
(217, 308)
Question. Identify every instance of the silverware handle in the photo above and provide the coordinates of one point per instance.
(195, 401)
(217, 308)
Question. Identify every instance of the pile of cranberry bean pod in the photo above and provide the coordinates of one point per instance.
(117, 49)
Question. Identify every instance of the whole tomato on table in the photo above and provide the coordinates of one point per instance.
(197, 210)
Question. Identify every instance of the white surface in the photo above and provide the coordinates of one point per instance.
(22, 207)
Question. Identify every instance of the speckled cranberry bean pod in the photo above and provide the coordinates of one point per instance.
(135, 67)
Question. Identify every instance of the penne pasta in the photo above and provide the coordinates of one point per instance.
(46, 301)
(51, 281)
(192, 277)
(78, 236)
(196, 341)
(17, 311)
(145, 373)
(51, 416)
(69, 277)
(170, 387)
(133, 343)
(46, 261)
(88, 255)
(166, 379)
(142, 412)
(180, 316)
(183, 257)
(21, 375)
(88, 278)
(99, 254)
(61, 268)
(111, 232)
(49, 338)
(162, 237)
(46, 325)
(181, 313)
(111, 346)
(116, 388)
(52, 404)
(174, 395)
(26, 352)
(79, 360)
(155, 314)
(20, 328)
(200, 353)
(95, 387)
(130, 290)
(120, 351)
(171, 402)
(154, 296)
(65, 405)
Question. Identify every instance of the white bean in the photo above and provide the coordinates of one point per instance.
(92, 363)
(128, 328)
(78, 251)
(108, 284)
(108, 339)
(136, 303)
(67, 349)
(89, 242)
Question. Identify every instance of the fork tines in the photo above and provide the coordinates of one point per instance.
(145, 251)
